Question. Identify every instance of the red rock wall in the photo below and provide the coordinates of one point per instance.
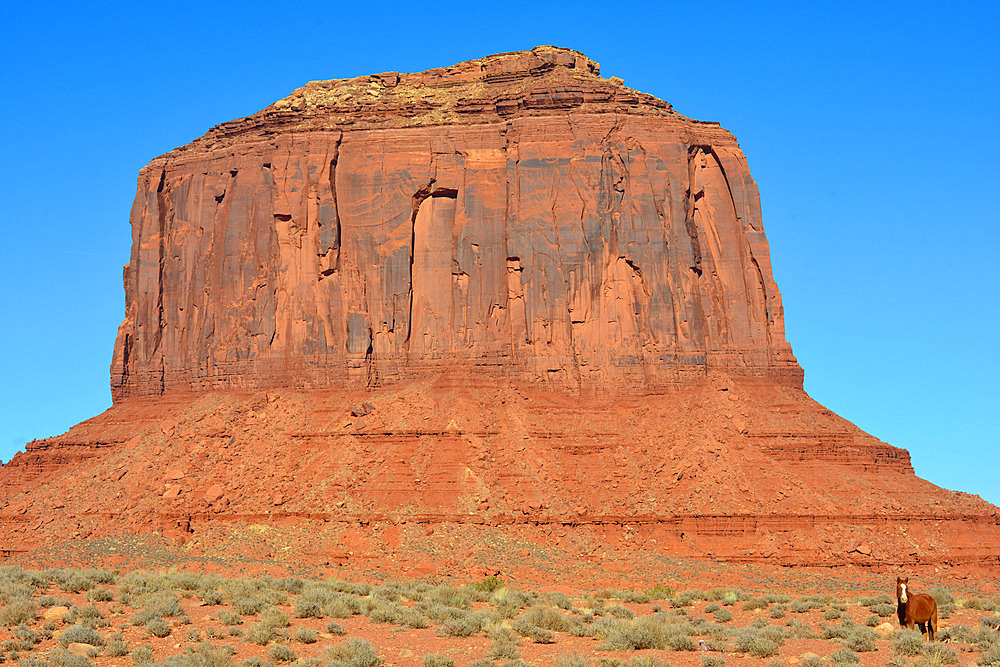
(577, 250)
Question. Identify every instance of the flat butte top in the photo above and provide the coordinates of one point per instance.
(496, 88)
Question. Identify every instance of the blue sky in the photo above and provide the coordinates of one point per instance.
(871, 130)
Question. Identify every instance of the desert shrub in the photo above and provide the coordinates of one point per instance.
(260, 633)
(873, 621)
(884, 610)
(248, 606)
(723, 616)
(533, 632)
(559, 599)
(676, 641)
(342, 607)
(779, 611)
(117, 647)
(274, 617)
(991, 622)
(142, 656)
(831, 614)
(712, 608)
(713, 661)
(353, 653)
(59, 658)
(546, 617)
(79, 634)
(438, 661)
(157, 627)
(945, 601)
(845, 657)
(305, 635)
(290, 585)
(205, 654)
(755, 603)
(335, 628)
(25, 634)
(617, 611)
(211, 596)
(802, 605)
(490, 584)
(573, 659)
(936, 653)
(307, 609)
(504, 646)
(466, 626)
(991, 656)
(758, 642)
(142, 583)
(980, 603)
(17, 612)
(281, 653)
(907, 642)
(227, 617)
(861, 640)
(881, 598)
(100, 595)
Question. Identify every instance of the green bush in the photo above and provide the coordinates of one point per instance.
(490, 584)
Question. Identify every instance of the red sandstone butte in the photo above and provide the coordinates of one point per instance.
(495, 305)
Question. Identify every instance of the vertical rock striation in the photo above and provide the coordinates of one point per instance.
(516, 216)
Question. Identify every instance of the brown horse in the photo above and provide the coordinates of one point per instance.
(915, 608)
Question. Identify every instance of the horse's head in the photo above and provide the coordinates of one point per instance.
(901, 589)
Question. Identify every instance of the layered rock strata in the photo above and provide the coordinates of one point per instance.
(506, 314)
(516, 216)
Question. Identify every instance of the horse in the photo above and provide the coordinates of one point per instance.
(914, 608)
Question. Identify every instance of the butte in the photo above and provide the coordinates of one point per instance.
(504, 315)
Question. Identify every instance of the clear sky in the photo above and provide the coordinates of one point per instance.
(871, 130)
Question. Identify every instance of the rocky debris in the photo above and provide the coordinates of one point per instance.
(81, 649)
(55, 613)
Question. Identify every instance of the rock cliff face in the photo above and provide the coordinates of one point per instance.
(515, 216)
(500, 315)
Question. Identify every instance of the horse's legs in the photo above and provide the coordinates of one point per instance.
(922, 629)
(932, 623)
